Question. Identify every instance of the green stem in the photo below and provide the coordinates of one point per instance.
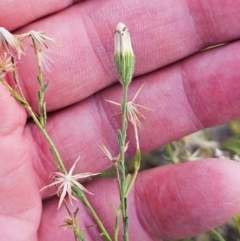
(116, 229)
(80, 195)
(54, 151)
(123, 198)
(57, 158)
(217, 235)
(79, 235)
(170, 153)
(137, 162)
(41, 92)
(24, 103)
(59, 162)
(15, 78)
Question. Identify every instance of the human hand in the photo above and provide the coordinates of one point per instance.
(191, 94)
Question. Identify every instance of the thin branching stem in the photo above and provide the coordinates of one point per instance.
(53, 148)
(116, 230)
(80, 195)
(15, 78)
(40, 121)
(41, 92)
(28, 108)
(217, 235)
(123, 198)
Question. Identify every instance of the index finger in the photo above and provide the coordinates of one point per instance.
(15, 14)
(162, 33)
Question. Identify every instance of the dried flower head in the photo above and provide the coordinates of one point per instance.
(114, 160)
(123, 54)
(9, 42)
(133, 114)
(109, 155)
(70, 221)
(6, 64)
(66, 181)
(39, 37)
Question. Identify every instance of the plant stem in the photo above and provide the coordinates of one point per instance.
(54, 151)
(15, 78)
(116, 229)
(57, 158)
(24, 103)
(80, 195)
(137, 162)
(41, 91)
(123, 198)
(217, 235)
(170, 153)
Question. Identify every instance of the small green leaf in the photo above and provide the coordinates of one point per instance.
(105, 237)
(39, 79)
(119, 184)
(44, 87)
(126, 183)
(137, 160)
(44, 114)
(39, 96)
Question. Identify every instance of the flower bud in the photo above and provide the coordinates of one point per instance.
(123, 54)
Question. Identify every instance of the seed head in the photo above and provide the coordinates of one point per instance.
(66, 181)
(39, 37)
(9, 42)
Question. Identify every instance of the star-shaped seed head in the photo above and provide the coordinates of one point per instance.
(65, 182)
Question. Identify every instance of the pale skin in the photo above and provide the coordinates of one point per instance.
(188, 91)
